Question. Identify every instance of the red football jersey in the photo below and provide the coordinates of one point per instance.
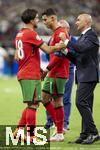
(27, 44)
(58, 64)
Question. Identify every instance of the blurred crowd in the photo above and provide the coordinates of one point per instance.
(10, 21)
(10, 11)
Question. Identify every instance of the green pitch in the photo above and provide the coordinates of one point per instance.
(11, 107)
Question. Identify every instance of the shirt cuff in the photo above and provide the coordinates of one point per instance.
(66, 42)
(65, 51)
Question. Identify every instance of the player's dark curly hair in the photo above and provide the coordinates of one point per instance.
(28, 15)
(49, 12)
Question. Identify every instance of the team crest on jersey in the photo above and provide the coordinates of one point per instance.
(38, 38)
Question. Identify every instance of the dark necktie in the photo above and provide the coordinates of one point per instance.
(80, 37)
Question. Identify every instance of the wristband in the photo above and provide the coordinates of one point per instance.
(66, 42)
(65, 51)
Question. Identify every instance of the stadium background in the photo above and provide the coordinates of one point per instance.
(10, 23)
(10, 94)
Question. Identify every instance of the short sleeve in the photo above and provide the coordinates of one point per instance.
(57, 36)
(35, 39)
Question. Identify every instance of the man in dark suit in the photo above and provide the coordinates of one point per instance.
(86, 60)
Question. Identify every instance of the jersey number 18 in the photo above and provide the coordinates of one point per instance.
(19, 46)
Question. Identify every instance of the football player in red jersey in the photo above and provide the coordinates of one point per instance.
(27, 54)
(58, 72)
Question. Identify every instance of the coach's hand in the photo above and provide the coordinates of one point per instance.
(62, 36)
(64, 51)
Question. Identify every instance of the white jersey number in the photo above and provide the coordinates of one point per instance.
(19, 45)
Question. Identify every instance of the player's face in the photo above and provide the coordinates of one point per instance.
(36, 20)
(80, 23)
(47, 20)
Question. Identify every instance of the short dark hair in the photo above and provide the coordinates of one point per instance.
(49, 12)
(28, 15)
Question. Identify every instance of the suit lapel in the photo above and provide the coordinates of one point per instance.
(82, 36)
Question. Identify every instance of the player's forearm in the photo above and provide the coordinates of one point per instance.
(57, 47)
(51, 49)
(53, 62)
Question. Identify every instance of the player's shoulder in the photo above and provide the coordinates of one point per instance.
(23, 32)
(27, 31)
(30, 32)
(19, 34)
(34, 34)
(61, 29)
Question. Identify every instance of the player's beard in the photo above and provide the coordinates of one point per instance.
(35, 26)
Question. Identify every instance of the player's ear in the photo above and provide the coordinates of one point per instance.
(32, 21)
(53, 17)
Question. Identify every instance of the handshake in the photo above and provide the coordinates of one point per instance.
(63, 41)
(64, 51)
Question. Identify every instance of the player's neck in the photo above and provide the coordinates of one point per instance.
(55, 26)
(29, 26)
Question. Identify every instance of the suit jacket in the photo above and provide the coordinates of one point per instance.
(85, 57)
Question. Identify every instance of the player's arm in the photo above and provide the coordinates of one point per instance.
(49, 67)
(50, 49)
(79, 47)
(36, 40)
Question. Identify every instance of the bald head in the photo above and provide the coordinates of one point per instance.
(83, 21)
(64, 24)
(87, 18)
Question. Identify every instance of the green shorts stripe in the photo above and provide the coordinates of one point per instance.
(31, 90)
(54, 86)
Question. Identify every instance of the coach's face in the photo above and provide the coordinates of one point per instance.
(81, 23)
(47, 20)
